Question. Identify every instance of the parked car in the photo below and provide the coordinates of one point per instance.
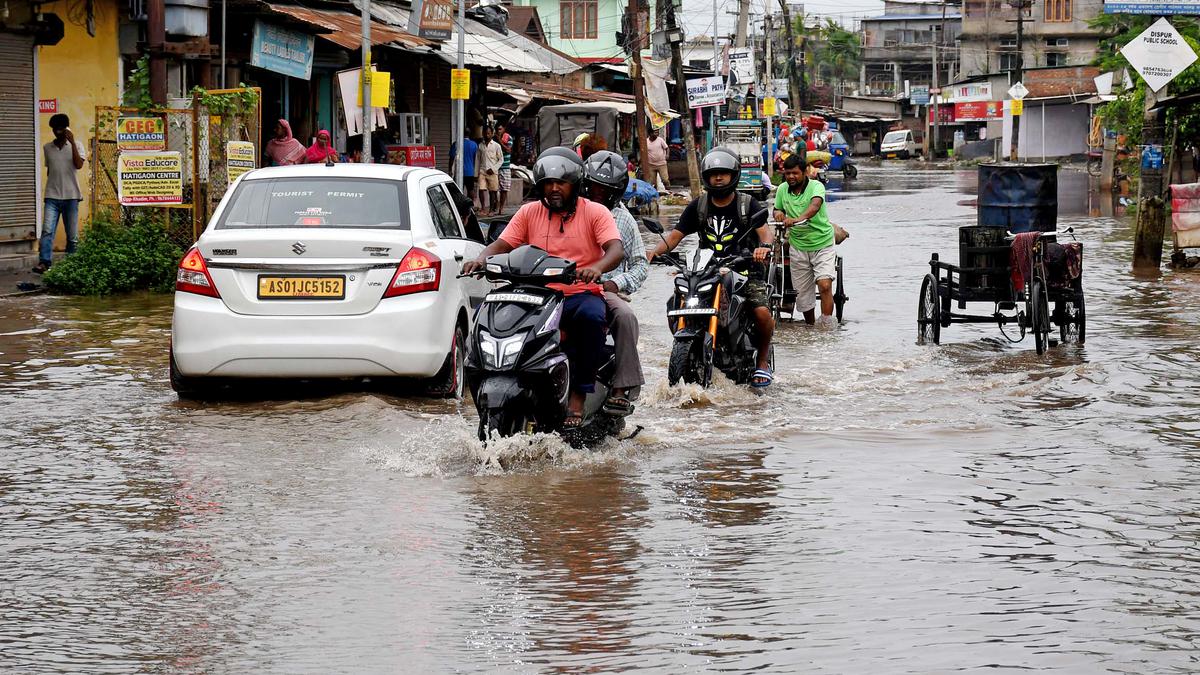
(338, 271)
(900, 144)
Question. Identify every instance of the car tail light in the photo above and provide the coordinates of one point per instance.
(419, 271)
(193, 277)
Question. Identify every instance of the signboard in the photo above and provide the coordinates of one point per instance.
(1152, 157)
(149, 178)
(1159, 54)
(411, 155)
(768, 107)
(281, 50)
(381, 89)
(1018, 107)
(919, 95)
(705, 91)
(741, 66)
(1160, 7)
(978, 111)
(239, 158)
(141, 134)
(349, 94)
(1017, 92)
(47, 105)
(460, 83)
(431, 19)
(971, 91)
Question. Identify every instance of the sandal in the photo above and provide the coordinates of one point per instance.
(617, 405)
(761, 379)
(40, 268)
(572, 421)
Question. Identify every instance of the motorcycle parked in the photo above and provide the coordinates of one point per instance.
(711, 321)
(516, 368)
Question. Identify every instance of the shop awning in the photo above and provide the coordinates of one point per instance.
(524, 93)
(345, 29)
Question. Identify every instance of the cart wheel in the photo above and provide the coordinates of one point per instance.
(839, 291)
(1039, 316)
(850, 171)
(775, 291)
(929, 312)
(1072, 322)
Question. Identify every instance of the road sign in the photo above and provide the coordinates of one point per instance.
(919, 95)
(1159, 54)
(1018, 106)
(1017, 92)
(1159, 7)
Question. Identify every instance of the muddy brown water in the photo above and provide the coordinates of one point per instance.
(887, 507)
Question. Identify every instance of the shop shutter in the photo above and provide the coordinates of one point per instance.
(18, 137)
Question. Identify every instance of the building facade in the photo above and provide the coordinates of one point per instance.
(899, 47)
(587, 29)
(1056, 34)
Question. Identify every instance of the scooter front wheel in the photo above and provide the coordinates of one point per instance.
(500, 423)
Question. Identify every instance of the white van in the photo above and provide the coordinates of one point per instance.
(900, 144)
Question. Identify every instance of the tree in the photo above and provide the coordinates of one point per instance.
(831, 53)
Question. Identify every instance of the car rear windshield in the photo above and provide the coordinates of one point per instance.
(895, 136)
(317, 202)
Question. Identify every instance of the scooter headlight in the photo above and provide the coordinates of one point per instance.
(500, 353)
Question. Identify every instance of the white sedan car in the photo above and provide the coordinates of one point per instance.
(339, 271)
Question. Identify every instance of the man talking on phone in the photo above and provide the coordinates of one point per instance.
(64, 156)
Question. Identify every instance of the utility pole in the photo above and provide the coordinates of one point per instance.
(743, 23)
(937, 108)
(460, 106)
(639, 84)
(793, 78)
(768, 76)
(681, 101)
(1151, 212)
(368, 113)
(1016, 119)
(156, 38)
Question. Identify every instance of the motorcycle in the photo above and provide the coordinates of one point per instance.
(516, 368)
(711, 322)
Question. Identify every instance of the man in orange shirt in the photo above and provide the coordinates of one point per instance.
(568, 226)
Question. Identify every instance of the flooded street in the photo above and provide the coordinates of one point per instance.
(886, 507)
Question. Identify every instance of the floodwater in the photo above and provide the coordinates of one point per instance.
(886, 507)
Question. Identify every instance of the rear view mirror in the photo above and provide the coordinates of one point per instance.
(652, 225)
(494, 228)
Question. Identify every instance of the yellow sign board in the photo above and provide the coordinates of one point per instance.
(381, 89)
(239, 158)
(768, 106)
(1018, 107)
(460, 84)
(150, 178)
(141, 134)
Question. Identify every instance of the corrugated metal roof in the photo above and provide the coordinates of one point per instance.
(522, 90)
(915, 17)
(345, 29)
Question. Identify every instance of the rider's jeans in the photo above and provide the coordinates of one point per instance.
(585, 318)
(624, 326)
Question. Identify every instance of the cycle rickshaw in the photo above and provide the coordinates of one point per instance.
(779, 278)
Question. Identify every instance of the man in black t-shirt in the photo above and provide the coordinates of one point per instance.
(723, 219)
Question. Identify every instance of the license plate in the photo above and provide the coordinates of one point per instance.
(891, 155)
(301, 288)
(514, 297)
(692, 311)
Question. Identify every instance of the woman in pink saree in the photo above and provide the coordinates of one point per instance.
(285, 149)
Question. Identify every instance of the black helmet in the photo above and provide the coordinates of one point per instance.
(721, 158)
(558, 164)
(608, 169)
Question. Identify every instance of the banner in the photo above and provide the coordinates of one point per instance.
(431, 19)
(281, 50)
(1160, 8)
(141, 134)
(978, 111)
(741, 66)
(239, 158)
(149, 178)
(411, 155)
(705, 91)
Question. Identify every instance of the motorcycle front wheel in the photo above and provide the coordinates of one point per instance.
(691, 361)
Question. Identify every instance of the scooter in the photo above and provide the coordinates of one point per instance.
(711, 321)
(516, 368)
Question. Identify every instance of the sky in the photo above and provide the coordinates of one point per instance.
(698, 14)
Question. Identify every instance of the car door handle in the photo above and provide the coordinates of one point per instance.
(458, 257)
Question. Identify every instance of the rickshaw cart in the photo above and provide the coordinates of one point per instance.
(1011, 259)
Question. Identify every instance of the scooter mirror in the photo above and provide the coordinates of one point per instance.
(494, 229)
(652, 225)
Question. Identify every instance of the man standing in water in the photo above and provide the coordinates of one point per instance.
(801, 207)
(64, 156)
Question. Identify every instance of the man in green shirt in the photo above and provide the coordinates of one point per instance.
(801, 207)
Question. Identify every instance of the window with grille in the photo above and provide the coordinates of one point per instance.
(1008, 62)
(578, 19)
(1056, 59)
(1058, 10)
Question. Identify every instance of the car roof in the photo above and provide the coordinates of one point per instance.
(345, 170)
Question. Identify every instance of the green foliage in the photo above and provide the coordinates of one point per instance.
(839, 53)
(237, 102)
(1126, 113)
(117, 258)
(137, 87)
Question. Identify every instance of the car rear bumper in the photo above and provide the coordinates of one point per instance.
(407, 336)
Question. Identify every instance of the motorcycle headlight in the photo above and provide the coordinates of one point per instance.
(705, 288)
(681, 283)
(693, 301)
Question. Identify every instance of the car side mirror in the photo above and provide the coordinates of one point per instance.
(494, 229)
(652, 225)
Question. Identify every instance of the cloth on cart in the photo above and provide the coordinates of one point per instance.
(640, 191)
(1064, 263)
(1021, 257)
